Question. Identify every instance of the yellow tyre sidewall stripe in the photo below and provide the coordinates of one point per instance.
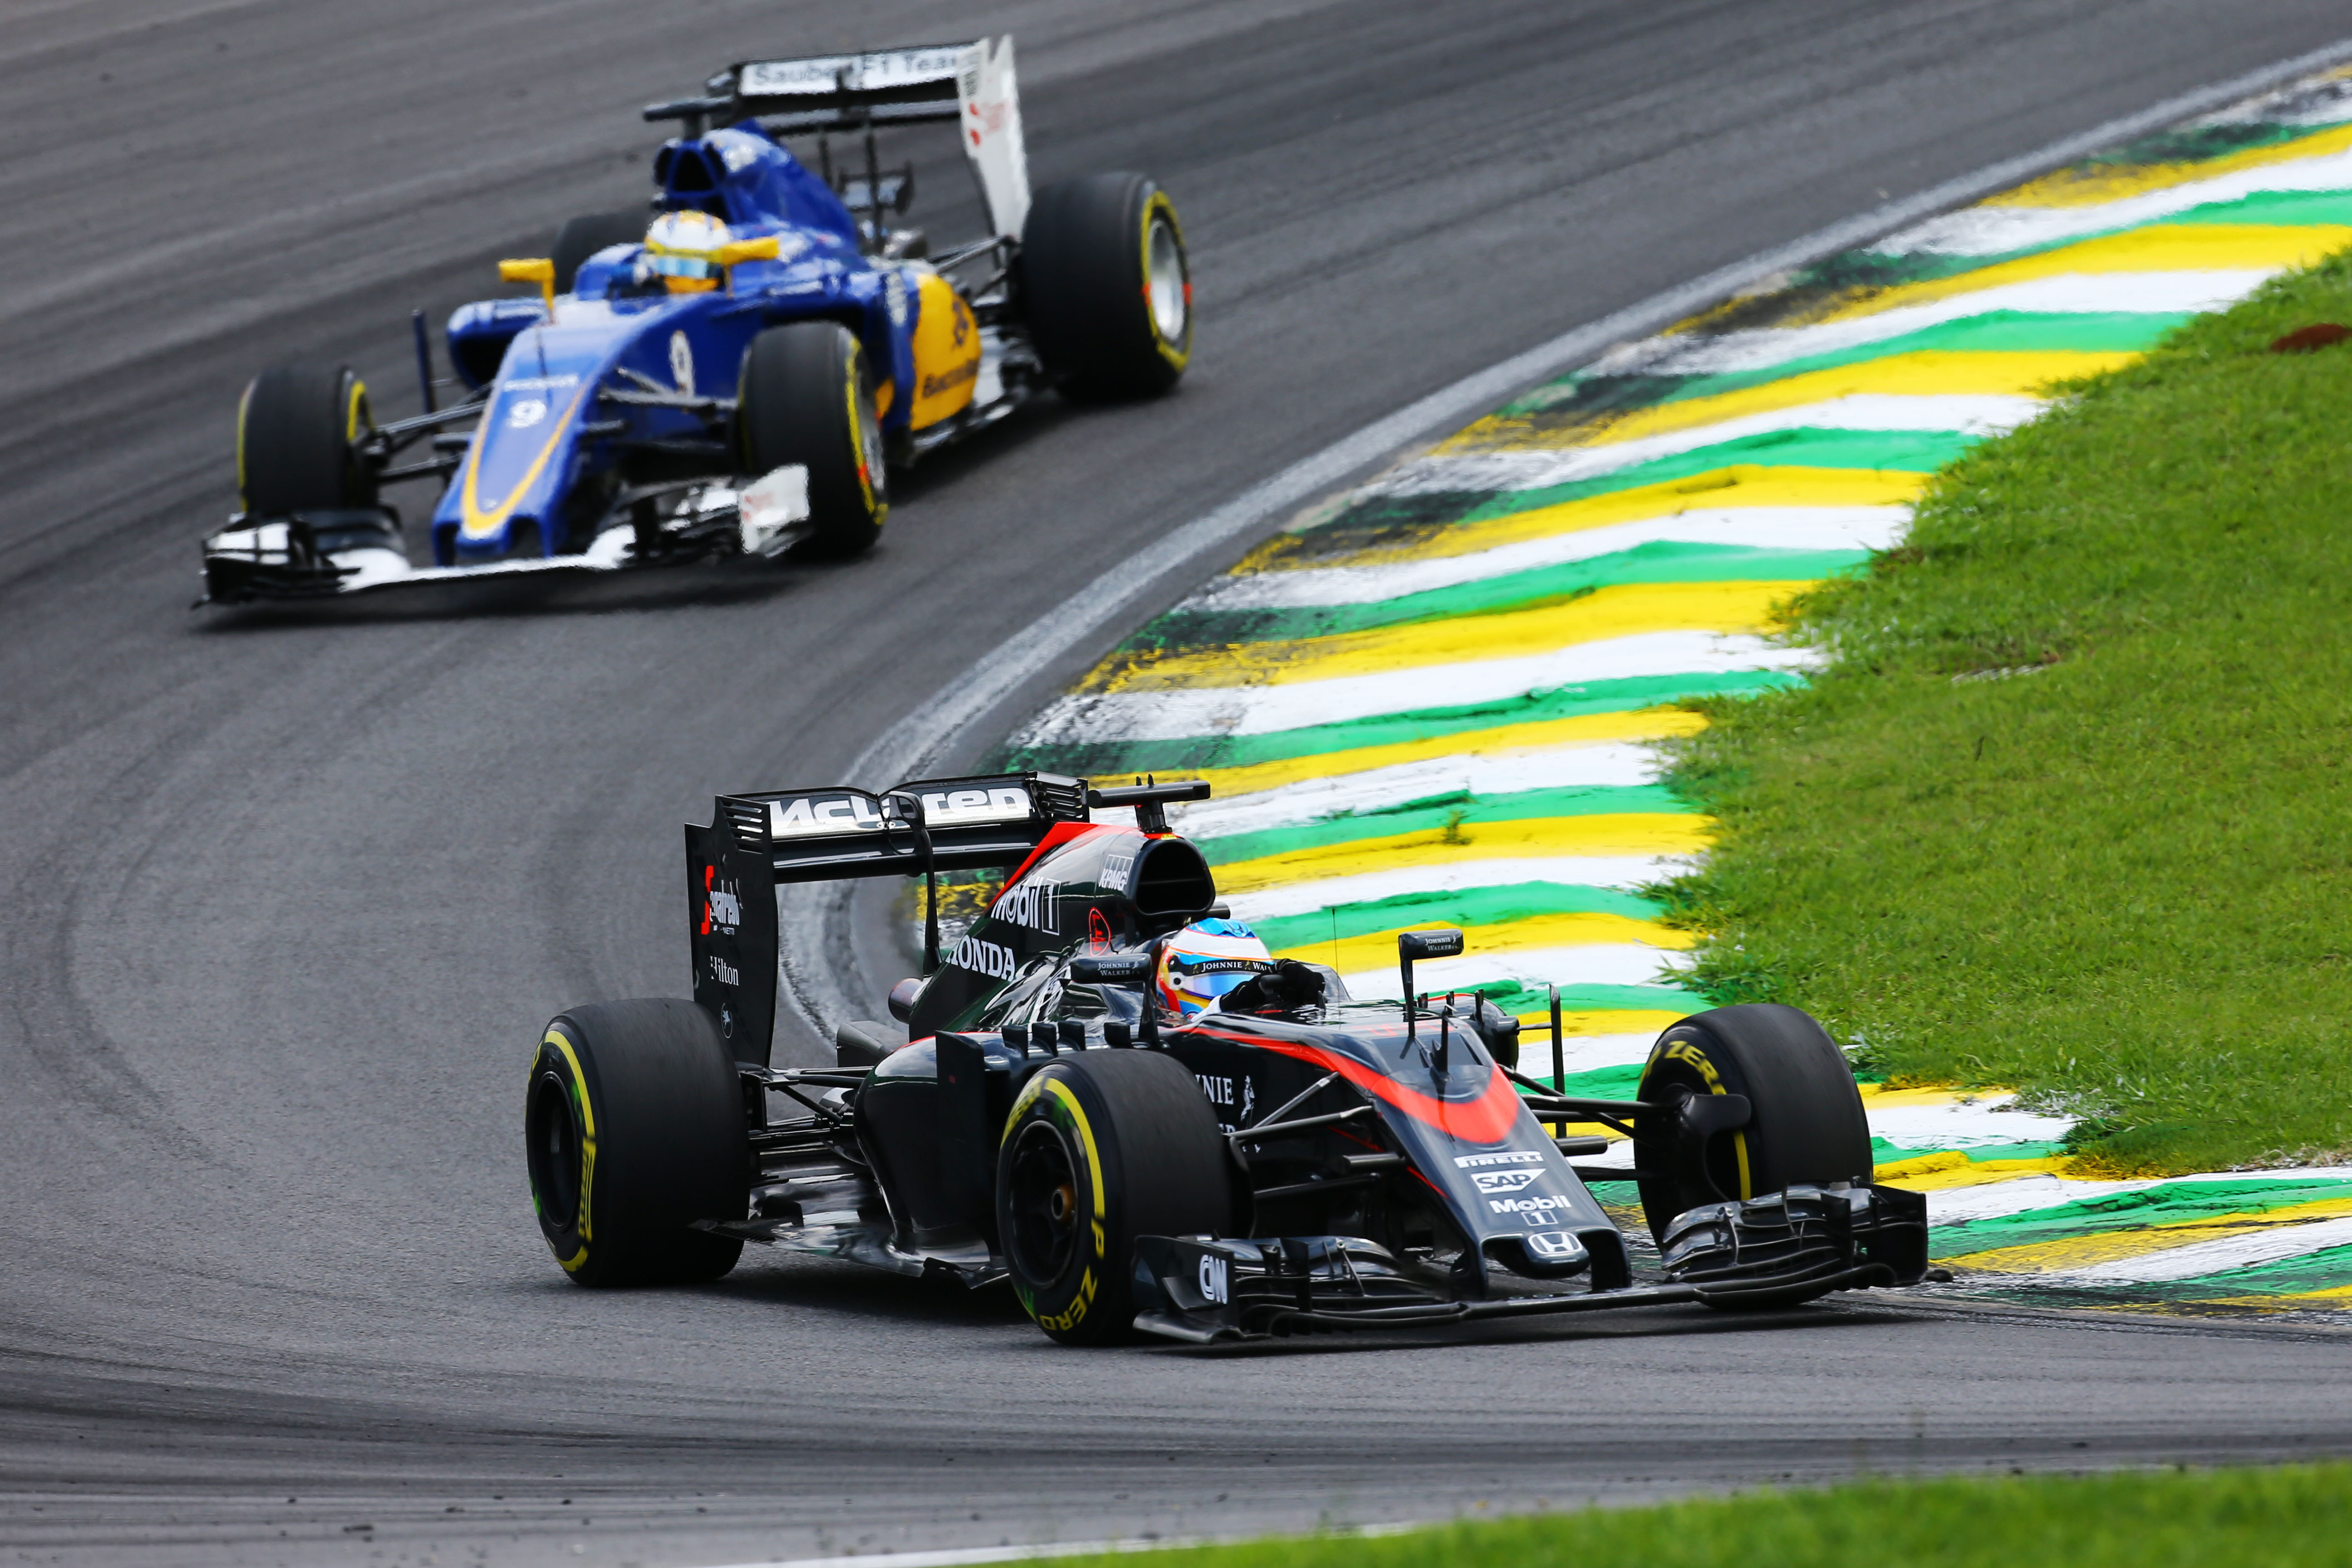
(586, 1110)
(1050, 1083)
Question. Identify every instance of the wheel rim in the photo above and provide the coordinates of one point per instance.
(554, 1153)
(1164, 281)
(872, 471)
(1043, 1192)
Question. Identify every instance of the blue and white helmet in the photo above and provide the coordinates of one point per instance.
(1208, 958)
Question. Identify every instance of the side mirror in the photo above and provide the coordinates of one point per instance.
(737, 251)
(1112, 969)
(536, 269)
(1417, 944)
(902, 998)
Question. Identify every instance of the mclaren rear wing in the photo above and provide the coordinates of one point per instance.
(757, 841)
(971, 84)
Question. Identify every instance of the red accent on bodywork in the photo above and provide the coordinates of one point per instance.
(1061, 833)
(1486, 1119)
(707, 872)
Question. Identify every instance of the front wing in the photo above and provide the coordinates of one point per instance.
(336, 554)
(1772, 1251)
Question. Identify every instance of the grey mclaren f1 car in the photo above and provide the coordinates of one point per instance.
(1287, 1160)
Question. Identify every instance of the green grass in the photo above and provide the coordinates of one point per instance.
(2247, 1518)
(2068, 809)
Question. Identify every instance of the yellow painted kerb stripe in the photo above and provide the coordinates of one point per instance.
(1624, 610)
(1638, 724)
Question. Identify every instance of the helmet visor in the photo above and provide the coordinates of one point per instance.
(669, 264)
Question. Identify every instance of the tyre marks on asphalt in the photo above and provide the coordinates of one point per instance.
(1433, 703)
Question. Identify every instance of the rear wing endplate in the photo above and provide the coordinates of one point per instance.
(758, 841)
(969, 83)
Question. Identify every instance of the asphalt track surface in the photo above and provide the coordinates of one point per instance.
(288, 897)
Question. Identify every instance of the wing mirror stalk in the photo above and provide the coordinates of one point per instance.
(1419, 944)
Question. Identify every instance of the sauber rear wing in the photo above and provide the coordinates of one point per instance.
(757, 841)
(969, 83)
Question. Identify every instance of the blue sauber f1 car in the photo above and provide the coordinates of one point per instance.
(1097, 1094)
(735, 372)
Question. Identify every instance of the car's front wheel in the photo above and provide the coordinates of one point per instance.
(805, 395)
(299, 429)
(1102, 1147)
(1805, 1125)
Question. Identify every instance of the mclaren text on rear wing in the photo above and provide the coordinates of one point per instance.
(756, 841)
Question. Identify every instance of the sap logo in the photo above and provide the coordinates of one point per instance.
(725, 972)
(1506, 1157)
(539, 383)
(1505, 1181)
(526, 412)
(1214, 1286)
(894, 298)
(1538, 1207)
(1116, 868)
(1555, 1244)
(991, 959)
(1028, 904)
(722, 904)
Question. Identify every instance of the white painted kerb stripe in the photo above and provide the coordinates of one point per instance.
(1878, 414)
(1994, 230)
(1562, 870)
(1193, 711)
(1753, 526)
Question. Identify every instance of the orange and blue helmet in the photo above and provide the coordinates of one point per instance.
(1206, 959)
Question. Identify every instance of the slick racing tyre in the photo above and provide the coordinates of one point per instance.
(1102, 1147)
(582, 237)
(298, 433)
(1806, 1125)
(634, 1129)
(1106, 286)
(805, 395)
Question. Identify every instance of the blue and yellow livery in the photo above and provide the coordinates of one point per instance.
(735, 372)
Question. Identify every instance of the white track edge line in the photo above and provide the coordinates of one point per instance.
(814, 914)
(959, 1557)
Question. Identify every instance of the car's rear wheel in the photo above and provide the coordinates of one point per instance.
(633, 1126)
(805, 395)
(584, 237)
(1107, 287)
(298, 428)
(1102, 1147)
(1806, 1124)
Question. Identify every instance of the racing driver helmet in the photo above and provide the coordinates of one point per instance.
(682, 249)
(1202, 962)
